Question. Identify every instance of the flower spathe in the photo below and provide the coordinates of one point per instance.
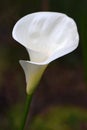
(46, 36)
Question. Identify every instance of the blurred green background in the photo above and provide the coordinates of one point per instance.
(60, 101)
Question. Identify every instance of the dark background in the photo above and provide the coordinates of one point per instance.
(64, 83)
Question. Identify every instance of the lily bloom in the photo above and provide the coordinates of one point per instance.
(46, 36)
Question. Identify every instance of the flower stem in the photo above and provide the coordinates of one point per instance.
(27, 106)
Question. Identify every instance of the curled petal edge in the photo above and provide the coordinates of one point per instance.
(33, 73)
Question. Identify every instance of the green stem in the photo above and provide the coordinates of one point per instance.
(27, 106)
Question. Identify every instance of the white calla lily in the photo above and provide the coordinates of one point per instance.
(46, 36)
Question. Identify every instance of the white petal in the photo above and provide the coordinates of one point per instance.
(37, 57)
(46, 36)
(33, 74)
(47, 33)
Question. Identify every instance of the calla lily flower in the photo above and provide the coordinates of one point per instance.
(46, 36)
